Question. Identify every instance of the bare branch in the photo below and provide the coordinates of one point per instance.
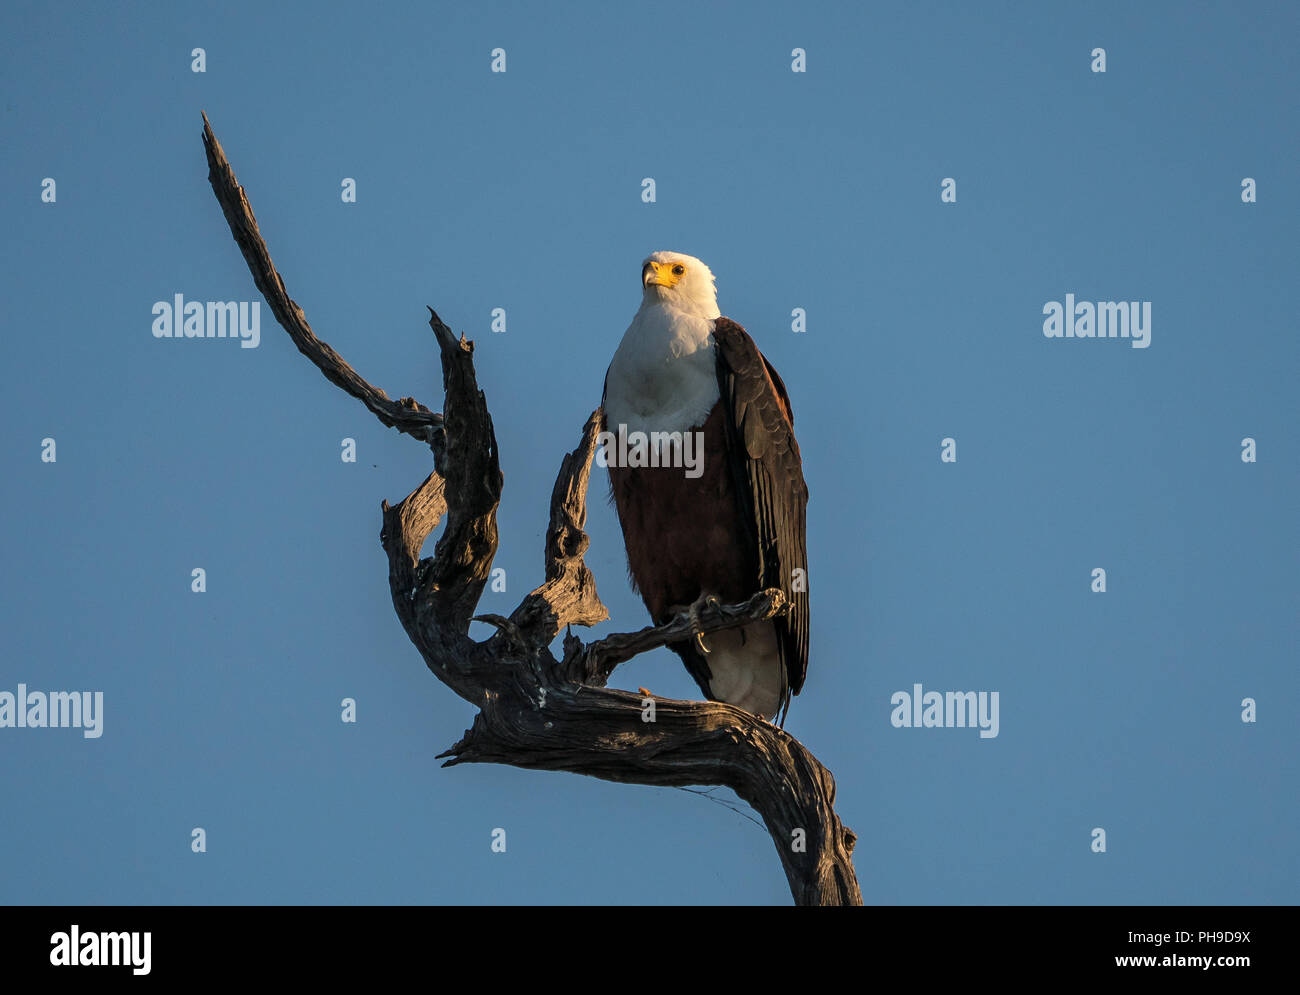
(462, 561)
(536, 711)
(603, 733)
(569, 595)
(406, 415)
(406, 526)
(594, 663)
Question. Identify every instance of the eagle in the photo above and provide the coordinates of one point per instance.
(706, 478)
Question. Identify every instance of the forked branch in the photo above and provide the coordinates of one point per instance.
(536, 711)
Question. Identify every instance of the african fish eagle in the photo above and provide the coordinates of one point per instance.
(733, 526)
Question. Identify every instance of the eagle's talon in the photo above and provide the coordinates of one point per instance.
(694, 614)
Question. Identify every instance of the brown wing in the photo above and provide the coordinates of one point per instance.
(769, 479)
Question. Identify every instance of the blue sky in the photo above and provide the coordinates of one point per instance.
(816, 190)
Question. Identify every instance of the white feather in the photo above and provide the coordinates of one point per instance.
(663, 377)
(745, 668)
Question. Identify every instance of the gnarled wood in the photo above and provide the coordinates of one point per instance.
(536, 711)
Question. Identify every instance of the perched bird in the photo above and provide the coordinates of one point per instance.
(708, 483)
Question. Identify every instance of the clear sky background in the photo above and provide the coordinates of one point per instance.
(522, 190)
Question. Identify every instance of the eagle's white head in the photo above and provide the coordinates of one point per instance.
(664, 375)
(680, 281)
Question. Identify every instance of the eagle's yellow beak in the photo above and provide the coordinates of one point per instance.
(662, 274)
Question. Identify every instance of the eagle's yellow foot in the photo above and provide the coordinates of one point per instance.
(645, 693)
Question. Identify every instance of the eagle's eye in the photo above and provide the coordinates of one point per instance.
(679, 269)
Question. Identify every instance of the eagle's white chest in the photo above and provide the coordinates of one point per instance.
(664, 375)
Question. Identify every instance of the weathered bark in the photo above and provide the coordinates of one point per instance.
(536, 711)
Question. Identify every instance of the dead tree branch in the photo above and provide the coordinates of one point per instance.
(535, 711)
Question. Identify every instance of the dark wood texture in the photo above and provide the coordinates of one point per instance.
(535, 711)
